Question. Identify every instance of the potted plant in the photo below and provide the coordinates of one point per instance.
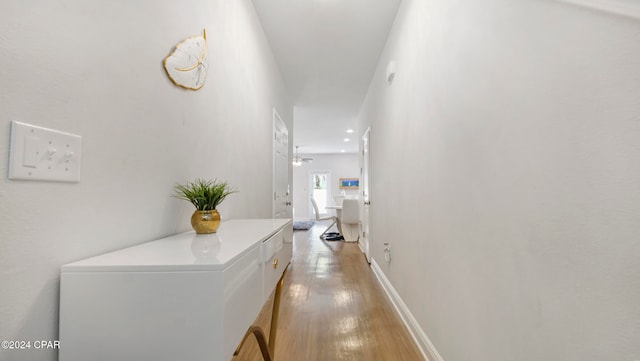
(205, 195)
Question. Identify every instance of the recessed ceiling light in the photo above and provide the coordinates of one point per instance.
(346, 139)
(349, 131)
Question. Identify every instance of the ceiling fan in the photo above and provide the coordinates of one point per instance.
(298, 160)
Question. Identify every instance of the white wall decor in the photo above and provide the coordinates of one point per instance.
(187, 65)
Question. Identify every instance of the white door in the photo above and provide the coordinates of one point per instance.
(281, 193)
(365, 198)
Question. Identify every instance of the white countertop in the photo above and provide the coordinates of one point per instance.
(186, 251)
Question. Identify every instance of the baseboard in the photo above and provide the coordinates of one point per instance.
(629, 8)
(424, 344)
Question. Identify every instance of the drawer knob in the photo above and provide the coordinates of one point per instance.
(275, 263)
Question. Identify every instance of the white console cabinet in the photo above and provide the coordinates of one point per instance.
(186, 297)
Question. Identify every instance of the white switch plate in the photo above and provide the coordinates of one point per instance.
(38, 153)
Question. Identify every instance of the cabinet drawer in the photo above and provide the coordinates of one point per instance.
(276, 255)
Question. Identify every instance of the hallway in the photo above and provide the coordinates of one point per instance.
(502, 143)
(333, 308)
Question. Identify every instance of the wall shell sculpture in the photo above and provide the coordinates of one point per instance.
(187, 65)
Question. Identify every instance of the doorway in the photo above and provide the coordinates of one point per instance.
(320, 189)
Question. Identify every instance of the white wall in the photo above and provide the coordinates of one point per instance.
(94, 68)
(340, 165)
(515, 126)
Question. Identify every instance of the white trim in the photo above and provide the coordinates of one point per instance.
(630, 8)
(427, 349)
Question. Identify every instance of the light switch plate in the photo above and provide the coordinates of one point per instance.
(43, 154)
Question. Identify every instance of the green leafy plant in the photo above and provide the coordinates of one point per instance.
(204, 194)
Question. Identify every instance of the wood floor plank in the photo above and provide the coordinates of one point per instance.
(333, 308)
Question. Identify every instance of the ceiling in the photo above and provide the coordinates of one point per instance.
(327, 51)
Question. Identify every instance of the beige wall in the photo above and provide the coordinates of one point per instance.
(514, 125)
(94, 68)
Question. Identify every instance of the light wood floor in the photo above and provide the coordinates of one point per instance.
(333, 308)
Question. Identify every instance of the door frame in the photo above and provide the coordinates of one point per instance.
(365, 194)
(278, 199)
(329, 191)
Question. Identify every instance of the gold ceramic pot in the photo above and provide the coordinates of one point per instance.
(205, 221)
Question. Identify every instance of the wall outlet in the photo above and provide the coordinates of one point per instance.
(387, 252)
(38, 153)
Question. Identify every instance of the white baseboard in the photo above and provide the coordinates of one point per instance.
(424, 344)
(630, 8)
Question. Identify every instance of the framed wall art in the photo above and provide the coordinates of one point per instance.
(349, 183)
